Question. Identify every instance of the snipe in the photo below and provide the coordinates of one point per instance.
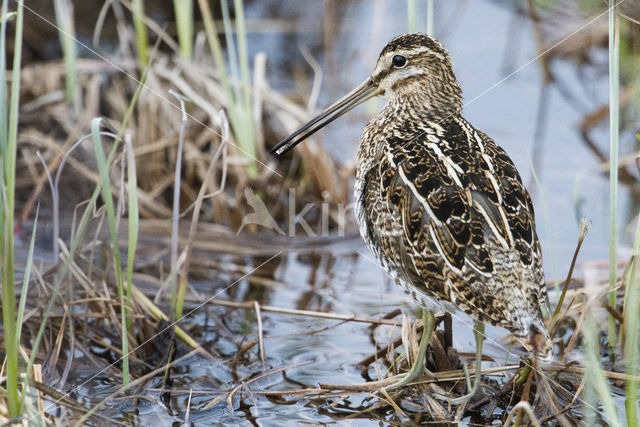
(442, 206)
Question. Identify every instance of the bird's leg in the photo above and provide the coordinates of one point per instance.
(418, 367)
(478, 332)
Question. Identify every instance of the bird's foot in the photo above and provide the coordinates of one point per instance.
(474, 391)
(418, 368)
(407, 377)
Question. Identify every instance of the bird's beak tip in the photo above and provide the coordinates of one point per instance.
(280, 149)
(364, 91)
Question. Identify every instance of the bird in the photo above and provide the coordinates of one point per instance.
(441, 206)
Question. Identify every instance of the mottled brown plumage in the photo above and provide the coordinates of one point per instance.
(438, 202)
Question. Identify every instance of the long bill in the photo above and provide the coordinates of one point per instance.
(365, 91)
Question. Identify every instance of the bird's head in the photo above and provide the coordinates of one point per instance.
(412, 69)
(416, 68)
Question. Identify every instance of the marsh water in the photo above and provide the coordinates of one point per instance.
(494, 53)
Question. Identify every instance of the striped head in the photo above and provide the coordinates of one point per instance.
(416, 68)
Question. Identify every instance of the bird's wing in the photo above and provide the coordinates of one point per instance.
(453, 192)
(515, 203)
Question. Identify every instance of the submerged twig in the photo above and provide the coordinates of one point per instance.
(309, 313)
(260, 334)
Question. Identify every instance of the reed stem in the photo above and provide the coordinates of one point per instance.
(614, 123)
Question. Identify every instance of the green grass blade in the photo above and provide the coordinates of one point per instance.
(173, 279)
(239, 115)
(631, 345)
(142, 39)
(218, 57)
(184, 25)
(631, 319)
(4, 102)
(214, 43)
(25, 279)
(228, 36)
(246, 88)
(133, 219)
(234, 93)
(67, 35)
(105, 183)
(14, 104)
(614, 123)
(23, 299)
(8, 151)
(240, 107)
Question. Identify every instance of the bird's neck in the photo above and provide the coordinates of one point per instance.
(422, 108)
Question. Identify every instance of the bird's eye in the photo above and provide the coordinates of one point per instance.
(399, 61)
